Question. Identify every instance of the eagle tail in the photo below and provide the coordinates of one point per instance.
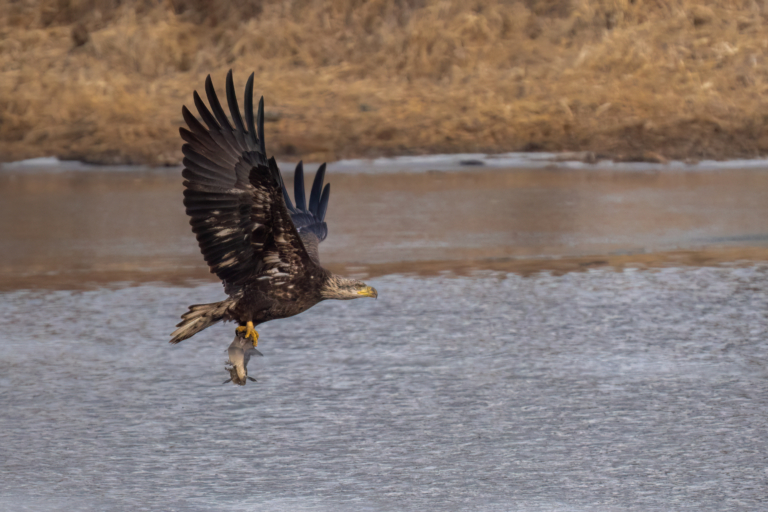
(198, 318)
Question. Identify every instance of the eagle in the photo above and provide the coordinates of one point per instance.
(262, 246)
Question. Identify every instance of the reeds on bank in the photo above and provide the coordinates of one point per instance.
(104, 80)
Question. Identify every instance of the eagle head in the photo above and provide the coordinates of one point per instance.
(341, 288)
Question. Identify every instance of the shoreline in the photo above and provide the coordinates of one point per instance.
(610, 150)
(195, 275)
(441, 162)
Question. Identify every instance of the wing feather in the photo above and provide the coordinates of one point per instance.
(260, 125)
(207, 164)
(323, 206)
(298, 188)
(200, 132)
(317, 188)
(208, 118)
(234, 109)
(309, 222)
(249, 112)
(213, 101)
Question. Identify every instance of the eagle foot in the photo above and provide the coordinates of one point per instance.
(250, 332)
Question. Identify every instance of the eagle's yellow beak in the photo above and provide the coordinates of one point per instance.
(368, 291)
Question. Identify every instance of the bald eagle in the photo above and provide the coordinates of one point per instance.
(260, 244)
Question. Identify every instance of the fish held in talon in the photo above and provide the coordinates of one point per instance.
(240, 351)
(262, 245)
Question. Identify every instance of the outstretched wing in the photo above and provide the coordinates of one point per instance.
(234, 194)
(309, 222)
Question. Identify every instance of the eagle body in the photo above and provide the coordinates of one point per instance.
(252, 236)
(261, 302)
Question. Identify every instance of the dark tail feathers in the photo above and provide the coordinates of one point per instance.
(198, 318)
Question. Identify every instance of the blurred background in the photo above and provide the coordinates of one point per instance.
(103, 80)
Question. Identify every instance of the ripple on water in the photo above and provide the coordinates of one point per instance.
(600, 389)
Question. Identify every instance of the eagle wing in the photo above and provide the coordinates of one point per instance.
(309, 221)
(233, 194)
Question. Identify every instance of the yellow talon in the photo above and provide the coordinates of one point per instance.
(249, 331)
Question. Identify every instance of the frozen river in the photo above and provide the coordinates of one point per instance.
(543, 340)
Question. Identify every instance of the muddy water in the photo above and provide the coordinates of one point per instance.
(68, 228)
(487, 376)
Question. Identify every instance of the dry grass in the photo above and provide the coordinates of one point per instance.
(98, 81)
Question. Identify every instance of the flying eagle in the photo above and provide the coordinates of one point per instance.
(262, 246)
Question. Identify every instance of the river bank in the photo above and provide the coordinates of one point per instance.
(105, 83)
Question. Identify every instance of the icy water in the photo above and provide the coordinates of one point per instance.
(543, 340)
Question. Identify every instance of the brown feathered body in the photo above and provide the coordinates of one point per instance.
(259, 302)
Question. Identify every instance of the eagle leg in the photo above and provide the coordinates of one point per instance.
(250, 332)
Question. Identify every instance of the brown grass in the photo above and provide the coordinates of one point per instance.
(99, 81)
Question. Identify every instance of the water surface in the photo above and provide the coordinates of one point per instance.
(73, 227)
(600, 390)
(543, 340)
